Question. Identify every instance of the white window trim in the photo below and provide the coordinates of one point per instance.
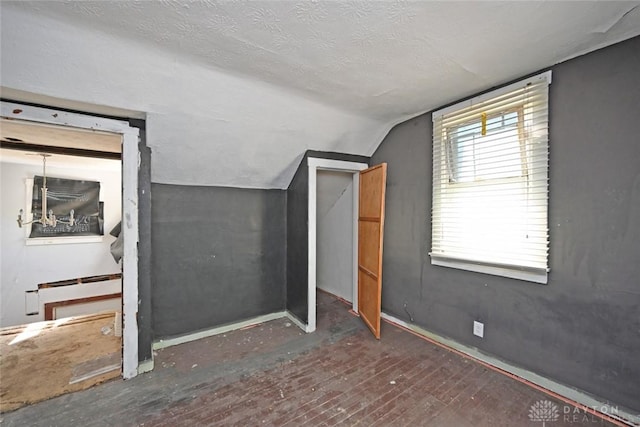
(546, 76)
(536, 275)
(513, 272)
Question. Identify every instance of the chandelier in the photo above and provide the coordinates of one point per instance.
(47, 218)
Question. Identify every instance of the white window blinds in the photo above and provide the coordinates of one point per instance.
(490, 182)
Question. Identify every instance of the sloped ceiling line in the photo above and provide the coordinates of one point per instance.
(236, 91)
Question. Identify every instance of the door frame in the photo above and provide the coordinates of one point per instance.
(130, 159)
(314, 165)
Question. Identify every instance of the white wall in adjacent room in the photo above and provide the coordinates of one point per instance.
(23, 267)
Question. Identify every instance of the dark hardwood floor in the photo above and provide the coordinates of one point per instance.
(275, 375)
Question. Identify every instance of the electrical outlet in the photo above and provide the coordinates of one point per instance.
(478, 329)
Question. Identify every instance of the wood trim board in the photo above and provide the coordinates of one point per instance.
(49, 307)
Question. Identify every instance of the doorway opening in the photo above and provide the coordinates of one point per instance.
(128, 138)
(335, 244)
(332, 175)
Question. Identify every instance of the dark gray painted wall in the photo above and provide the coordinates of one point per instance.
(297, 242)
(145, 332)
(583, 328)
(218, 256)
(298, 231)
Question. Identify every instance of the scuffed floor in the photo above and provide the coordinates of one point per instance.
(273, 374)
(45, 359)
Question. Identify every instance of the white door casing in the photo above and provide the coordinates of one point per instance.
(130, 165)
(315, 164)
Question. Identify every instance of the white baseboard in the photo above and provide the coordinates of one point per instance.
(570, 394)
(298, 322)
(145, 366)
(148, 365)
(218, 330)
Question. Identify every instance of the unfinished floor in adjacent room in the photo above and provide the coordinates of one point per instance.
(273, 374)
(41, 360)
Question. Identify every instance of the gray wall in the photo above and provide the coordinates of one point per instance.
(145, 333)
(297, 242)
(218, 256)
(583, 328)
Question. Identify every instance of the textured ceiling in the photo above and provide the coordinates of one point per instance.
(370, 63)
(385, 58)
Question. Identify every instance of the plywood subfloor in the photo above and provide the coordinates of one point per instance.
(275, 375)
(46, 359)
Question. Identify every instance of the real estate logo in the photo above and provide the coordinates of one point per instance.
(544, 410)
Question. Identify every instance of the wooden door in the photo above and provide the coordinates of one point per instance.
(373, 183)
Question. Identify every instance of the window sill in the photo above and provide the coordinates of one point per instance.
(536, 275)
(65, 240)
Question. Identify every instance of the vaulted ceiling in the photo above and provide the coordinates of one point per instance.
(235, 92)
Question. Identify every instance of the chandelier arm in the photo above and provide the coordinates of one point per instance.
(47, 219)
(21, 223)
(45, 214)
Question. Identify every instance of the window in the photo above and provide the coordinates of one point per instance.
(490, 182)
